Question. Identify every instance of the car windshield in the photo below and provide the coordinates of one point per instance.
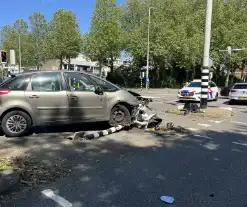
(107, 86)
(194, 84)
(240, 86)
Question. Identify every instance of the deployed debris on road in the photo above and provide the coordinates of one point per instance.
(191, 107)
(84, 136)
(167, 199)
(168, 128)
(142, 117)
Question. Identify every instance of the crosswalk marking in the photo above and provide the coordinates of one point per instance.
(202, 136)
(238, 122)
(205, 125)
(243, 144)
(58, 199)
(192, 129)
(216, 122)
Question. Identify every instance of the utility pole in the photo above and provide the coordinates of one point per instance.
(19, 52)
(229, 51)
(205, 67)
(148, 46)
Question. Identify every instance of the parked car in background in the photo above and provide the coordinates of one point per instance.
(192, 92)
(61, 97)
(238, 93)
(226, 90)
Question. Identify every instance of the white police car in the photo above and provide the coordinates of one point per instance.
(192, 92)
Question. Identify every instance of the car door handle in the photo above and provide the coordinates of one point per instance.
(74, 97)
(34, 96)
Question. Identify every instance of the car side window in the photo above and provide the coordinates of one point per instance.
(107, 86)
(46, 82)
(18, 83)
(212, 84)
(79, 82)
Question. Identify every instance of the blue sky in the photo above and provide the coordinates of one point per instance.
(21, 9)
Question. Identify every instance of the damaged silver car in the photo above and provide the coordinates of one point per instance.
(61, 97)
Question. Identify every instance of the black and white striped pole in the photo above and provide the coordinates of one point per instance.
(206, 58)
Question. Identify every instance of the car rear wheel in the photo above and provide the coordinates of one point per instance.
(16, 123)
(120, 115)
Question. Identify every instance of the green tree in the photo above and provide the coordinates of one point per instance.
(38, 26)
(64, 38)
(104, 41)
(16, 37)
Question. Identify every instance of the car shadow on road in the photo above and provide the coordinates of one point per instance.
(136, 167)
(94, 126)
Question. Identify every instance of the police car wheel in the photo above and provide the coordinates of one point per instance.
(216, 97)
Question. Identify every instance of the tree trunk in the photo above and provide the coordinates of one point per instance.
(112, 64)
(69, 64)
(227, 77)
(194, 73)
(61, 63)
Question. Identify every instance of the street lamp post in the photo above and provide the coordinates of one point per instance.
(19, 52)
(148, 46)
(229, 51)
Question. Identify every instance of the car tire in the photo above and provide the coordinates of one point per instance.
(216, 97)
(120, 115)
(20, 117)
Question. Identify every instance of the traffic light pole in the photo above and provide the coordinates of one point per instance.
(205, 67)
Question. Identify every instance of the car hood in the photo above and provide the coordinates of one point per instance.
(125, 96)
(190, 89)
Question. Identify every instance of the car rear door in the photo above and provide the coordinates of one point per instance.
(48, 98)
(85, 104)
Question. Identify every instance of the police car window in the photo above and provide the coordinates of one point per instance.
(212, 84)
(18, 83)
(194, 84)
(79, 82)
(107, 86)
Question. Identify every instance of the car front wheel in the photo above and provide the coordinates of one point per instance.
(16, 123)
(120, 115)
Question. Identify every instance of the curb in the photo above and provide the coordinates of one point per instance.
(181, 106)
(9, 182)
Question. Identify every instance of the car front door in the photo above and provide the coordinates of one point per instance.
(48, 98)
(85, 104)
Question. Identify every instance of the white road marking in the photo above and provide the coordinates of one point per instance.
(203, 136)
(216, 122)
(243, 144)
(226, 108)
(205, 125)
(192, 129)
(238, 122)
(58, 199)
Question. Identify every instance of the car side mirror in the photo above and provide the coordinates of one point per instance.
(99, 90)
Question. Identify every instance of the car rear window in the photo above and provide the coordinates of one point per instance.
(240, 86)
(18, 83)
(194, 84)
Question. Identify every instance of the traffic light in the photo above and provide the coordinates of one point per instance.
(3, 56)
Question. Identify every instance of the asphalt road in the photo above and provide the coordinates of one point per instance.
(206, 168)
